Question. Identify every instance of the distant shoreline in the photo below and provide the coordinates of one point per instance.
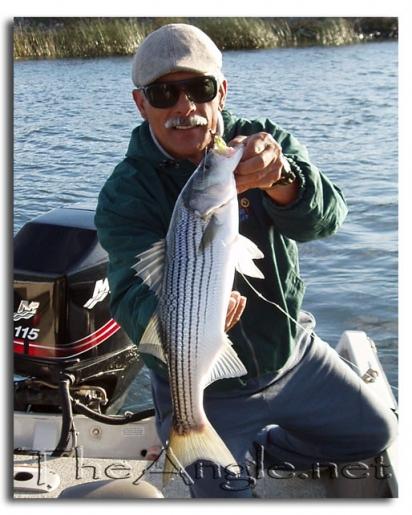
(48, 38)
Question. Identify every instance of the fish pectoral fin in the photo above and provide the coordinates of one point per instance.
(227, 365)
(151, 342)
(247, 251)
(151, 265)
(210, 233)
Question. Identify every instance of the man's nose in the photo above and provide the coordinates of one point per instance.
(184, 104)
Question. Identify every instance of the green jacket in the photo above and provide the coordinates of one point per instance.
(134, 210)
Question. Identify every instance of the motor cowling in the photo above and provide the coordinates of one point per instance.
(62, 322)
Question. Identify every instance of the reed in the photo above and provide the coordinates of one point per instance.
(96, 37)
(99, 37)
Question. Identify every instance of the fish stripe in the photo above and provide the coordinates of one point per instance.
(185, 320)
(180, 271)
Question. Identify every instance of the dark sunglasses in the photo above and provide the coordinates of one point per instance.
(166, 94)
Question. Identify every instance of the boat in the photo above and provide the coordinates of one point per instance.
(73, 368)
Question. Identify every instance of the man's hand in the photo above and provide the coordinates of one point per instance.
(235, 309)
(261, 167)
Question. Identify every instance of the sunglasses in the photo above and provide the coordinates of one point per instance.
(166, 94)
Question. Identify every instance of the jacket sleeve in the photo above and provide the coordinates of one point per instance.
(123, 232)
(320, 208)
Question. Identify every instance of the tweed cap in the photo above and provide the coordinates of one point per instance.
(172, 48)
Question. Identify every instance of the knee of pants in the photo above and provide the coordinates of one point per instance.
(383, 433)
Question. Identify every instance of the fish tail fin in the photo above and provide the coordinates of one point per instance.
(184, 450)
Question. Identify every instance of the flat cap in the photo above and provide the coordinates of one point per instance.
(172, 48)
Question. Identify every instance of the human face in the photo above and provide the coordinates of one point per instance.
(183, 140)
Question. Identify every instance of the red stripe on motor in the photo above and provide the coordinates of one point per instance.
(70, 350)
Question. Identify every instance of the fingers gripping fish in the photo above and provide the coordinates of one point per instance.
(192, 273)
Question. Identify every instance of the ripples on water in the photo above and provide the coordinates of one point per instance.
(73, 120)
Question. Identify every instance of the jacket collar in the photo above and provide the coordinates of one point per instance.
(145, 146)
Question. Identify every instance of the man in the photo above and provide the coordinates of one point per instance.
(298, 402)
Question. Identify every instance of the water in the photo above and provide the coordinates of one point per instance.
(73, 120)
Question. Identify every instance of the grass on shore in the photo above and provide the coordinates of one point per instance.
(99, 37)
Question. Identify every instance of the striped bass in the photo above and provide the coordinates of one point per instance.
(192, 273)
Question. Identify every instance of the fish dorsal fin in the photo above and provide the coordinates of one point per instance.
(227, 365)
(151, 265)
(150, 342)
(247, 251)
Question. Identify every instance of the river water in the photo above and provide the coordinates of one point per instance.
(72, 123)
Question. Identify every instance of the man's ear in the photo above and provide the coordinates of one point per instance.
(139, 100)
(222, 94)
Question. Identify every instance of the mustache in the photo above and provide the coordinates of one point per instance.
(185, 121)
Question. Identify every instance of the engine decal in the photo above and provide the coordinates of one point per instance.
(69, 350)
(101, 290)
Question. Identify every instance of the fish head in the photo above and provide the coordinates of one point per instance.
(212, 186)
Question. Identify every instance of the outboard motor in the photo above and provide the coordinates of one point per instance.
(63, 330)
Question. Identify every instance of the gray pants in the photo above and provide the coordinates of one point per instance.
(315, 410)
